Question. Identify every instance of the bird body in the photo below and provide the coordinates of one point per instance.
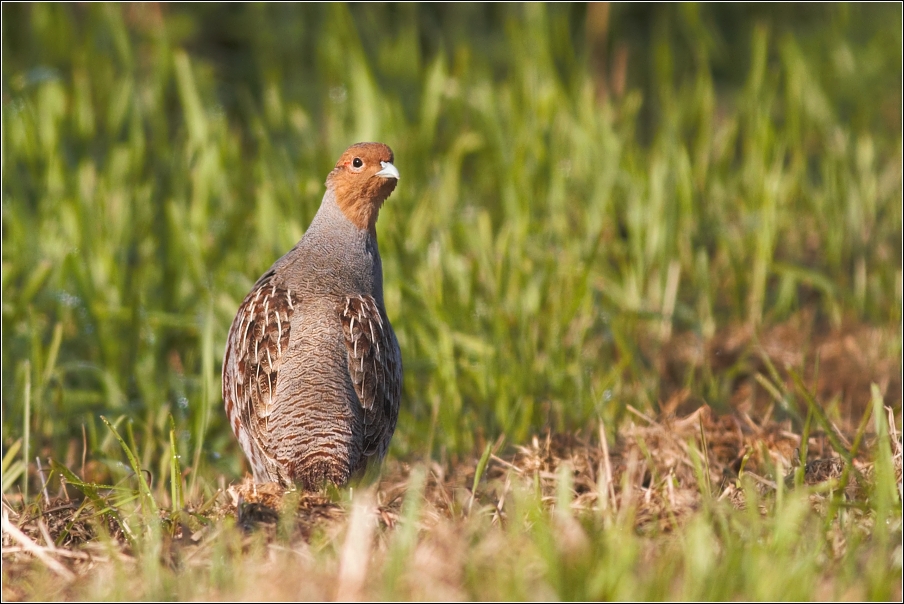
(312, 370)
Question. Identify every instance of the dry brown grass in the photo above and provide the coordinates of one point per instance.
(654, 473)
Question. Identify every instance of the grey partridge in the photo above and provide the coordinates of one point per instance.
(312, 373)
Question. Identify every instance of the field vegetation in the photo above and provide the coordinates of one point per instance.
(644, 265)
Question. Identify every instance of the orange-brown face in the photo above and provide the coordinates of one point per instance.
(362, 180)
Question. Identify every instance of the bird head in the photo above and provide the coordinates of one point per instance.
(361, 181)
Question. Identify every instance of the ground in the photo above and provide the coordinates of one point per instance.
(656, 477)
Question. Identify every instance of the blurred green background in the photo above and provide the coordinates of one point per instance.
(579, 182)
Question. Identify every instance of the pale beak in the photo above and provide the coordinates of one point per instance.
(388, 171)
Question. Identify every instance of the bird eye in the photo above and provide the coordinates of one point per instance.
(357, 162)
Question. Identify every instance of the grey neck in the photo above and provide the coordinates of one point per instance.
(335, 257)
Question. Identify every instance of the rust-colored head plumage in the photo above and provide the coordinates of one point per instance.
(362, 180)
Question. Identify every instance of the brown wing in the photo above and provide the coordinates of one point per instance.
(375, 365)
(257, 341)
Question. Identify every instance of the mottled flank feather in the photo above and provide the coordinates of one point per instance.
(257, 340)
(375, 370)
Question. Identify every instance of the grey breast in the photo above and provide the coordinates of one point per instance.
(318, 428)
